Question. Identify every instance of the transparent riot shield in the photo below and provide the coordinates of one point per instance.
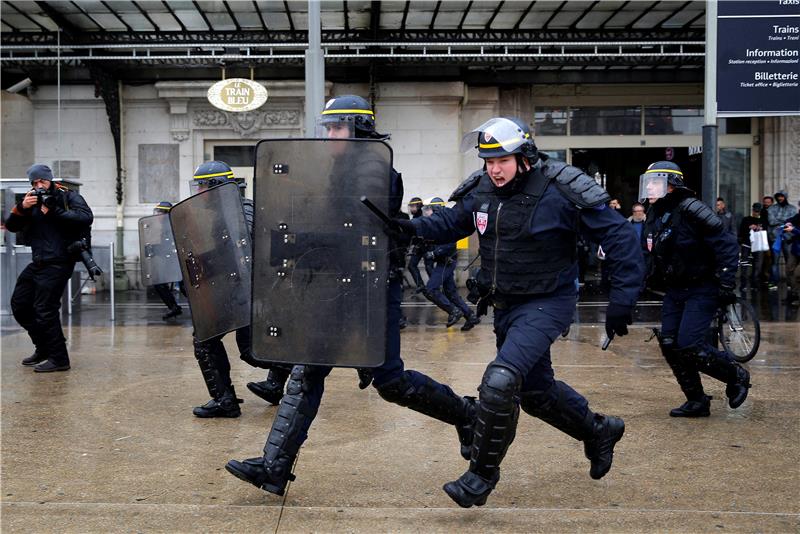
(214, 250)
(321, 268)
(158, 257)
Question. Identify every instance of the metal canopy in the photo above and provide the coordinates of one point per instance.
(517, 37)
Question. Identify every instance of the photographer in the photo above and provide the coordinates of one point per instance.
(53, 219)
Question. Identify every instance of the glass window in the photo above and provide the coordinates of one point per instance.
(235, 155)
(665, 120)
(734, 125)
(560, 155)
(548, 121)
(734, 180)
(606, 121)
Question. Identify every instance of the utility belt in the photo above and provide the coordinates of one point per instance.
(483, 297)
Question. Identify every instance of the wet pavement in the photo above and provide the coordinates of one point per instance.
(112, 446)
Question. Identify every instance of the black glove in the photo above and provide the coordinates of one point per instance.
(401, 231)
(727, 294)
(364, 377)
(618, 317)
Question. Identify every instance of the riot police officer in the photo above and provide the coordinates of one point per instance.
(441, 287)
(417, 250)
(164, 291)
(350, 116)
(211, 355)
(54, 219)
(526, 209)
(694, 260)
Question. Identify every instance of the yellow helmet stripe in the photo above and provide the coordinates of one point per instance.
(437, 204)
(347, 112)
(226, 173)
(506, 142)
(673, 171)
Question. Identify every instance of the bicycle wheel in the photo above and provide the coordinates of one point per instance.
(740, 331)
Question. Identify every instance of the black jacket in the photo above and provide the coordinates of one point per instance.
(69, 219)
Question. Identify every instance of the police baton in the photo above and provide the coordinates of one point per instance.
(382, 216)
(607, 342)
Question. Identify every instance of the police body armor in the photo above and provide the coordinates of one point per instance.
(670, 264)
(515, 261)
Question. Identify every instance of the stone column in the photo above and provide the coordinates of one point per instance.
(781, 138)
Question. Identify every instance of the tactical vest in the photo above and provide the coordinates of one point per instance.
(514, 261)
(670, 264)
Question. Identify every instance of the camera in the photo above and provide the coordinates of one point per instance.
(83, 250)
(45, 197)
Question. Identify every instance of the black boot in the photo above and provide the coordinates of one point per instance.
(724, 369)
(599, 449)
(273, 471)
(34, 359)
(173, 312)
(497, 413)
(454, 317)
(252, 470)
(434, 401)
(49, 366)
(685, 370)
(736, 390)
(599, 433)
(693, 408)
(472, 320)
(227, 405)
(271, 389)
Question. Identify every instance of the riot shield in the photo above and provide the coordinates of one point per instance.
(320, 272)
(158, 258)
(214, 251)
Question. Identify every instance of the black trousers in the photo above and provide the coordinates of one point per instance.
(164, 291)
(36, 305)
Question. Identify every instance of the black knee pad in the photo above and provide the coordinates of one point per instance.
(499, 385)
(399, 390)
(296, 379)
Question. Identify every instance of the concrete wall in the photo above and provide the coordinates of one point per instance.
(17, 135)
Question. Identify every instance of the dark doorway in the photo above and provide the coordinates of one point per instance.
(623, 166)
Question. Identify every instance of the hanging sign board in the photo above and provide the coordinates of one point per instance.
(758, 58)
(237, 94)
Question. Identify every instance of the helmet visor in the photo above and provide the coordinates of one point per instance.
(198, 185)
(495, 133)
(335, 127)
(652, 186)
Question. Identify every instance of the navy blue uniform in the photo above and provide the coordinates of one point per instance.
(691, 257)
(527, 326)
(527, 237)
(441, 287)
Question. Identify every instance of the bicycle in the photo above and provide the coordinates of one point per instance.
(737, 328)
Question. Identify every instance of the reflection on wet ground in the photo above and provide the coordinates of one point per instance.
(112, 446)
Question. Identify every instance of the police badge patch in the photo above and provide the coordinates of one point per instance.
(481, 221)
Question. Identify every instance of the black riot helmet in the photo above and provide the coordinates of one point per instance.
(415, 206)
(502, 136)
(162, 207)
(351, 111)
(210, 174)
(432, 205)
(653, 183)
